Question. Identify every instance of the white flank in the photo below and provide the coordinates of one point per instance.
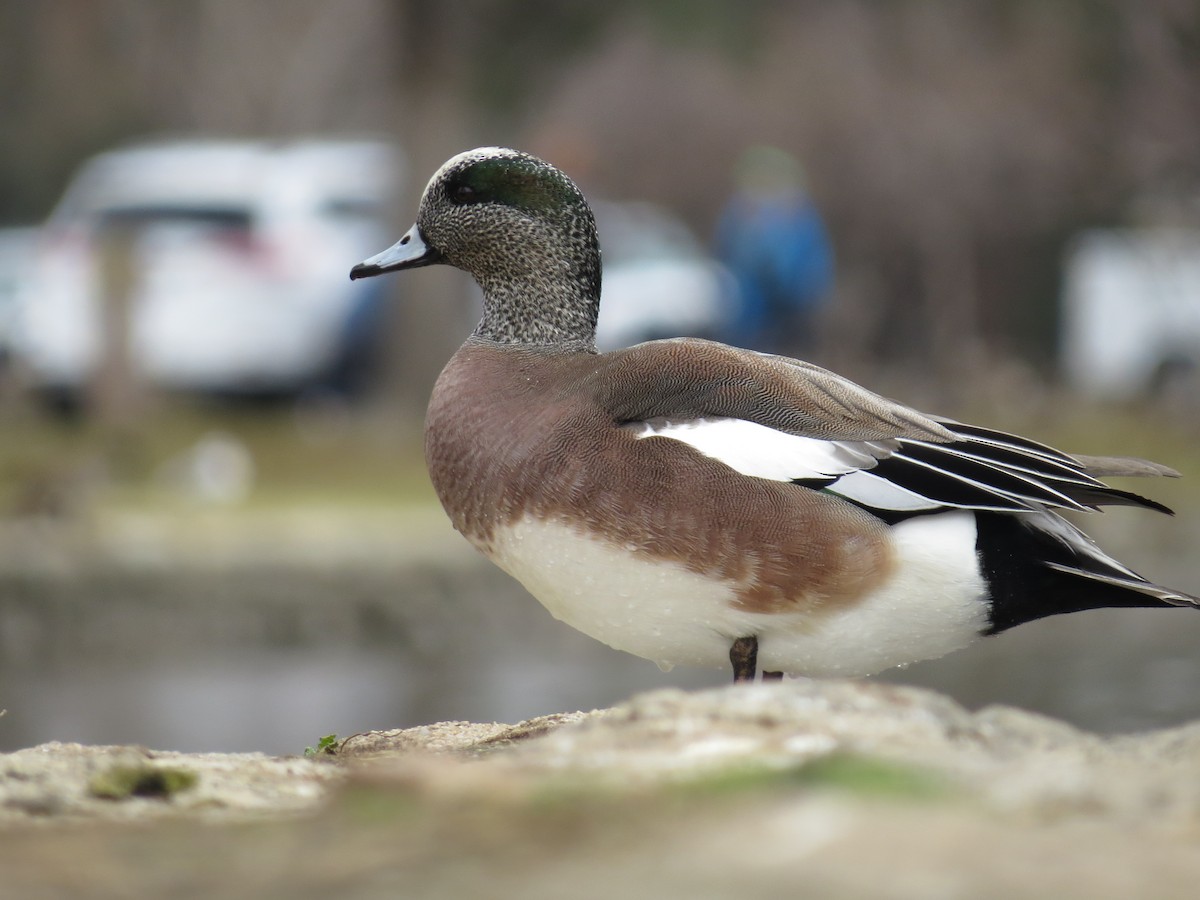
(660, 610)
(764, 452)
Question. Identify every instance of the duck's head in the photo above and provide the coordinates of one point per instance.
(523, 230)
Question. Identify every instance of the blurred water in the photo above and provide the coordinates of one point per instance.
(271, 656)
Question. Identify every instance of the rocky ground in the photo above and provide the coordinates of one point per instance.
(824, 789)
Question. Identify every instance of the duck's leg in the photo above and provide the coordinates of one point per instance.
(744, 656)
(772, 676)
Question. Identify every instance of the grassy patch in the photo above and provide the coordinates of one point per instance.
(355, 457)
(847, 772)
(871, 777)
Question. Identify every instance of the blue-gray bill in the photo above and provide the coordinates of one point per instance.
(409, 252)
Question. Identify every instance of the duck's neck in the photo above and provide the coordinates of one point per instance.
(536, 310)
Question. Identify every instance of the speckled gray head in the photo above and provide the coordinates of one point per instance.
(524, 231)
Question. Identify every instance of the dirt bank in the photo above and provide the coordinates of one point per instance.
(831, 789)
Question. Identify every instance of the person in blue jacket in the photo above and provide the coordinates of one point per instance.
(773, 240)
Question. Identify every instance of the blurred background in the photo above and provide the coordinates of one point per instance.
(215, 527)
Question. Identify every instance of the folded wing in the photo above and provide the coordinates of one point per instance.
(785, 420)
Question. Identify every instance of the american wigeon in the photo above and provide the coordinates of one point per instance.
(695, 503)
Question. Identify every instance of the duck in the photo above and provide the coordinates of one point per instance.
(698, 504)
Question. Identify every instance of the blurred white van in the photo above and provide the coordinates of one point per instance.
(17, 246)
(658, 280)
(235, 254)
(1131, 311)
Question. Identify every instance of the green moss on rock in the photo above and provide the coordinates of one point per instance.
(124, 781)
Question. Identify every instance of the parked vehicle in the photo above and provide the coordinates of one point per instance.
(1131, 311)
(233, 255)
(17, 246)
(657, 280)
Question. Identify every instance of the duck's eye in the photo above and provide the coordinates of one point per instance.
(463, 193)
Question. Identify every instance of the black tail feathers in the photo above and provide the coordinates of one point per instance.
(1039, 565)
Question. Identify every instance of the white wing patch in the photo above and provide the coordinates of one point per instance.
(901, 474)
(875, 492)
(764, 452)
